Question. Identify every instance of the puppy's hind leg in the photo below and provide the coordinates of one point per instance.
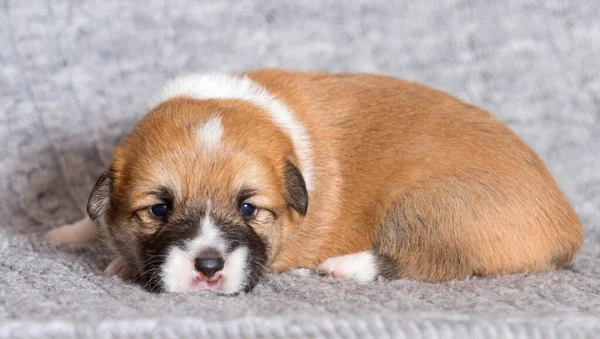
(81, 232)
(419, 238)
(362, 267)
(414, 239)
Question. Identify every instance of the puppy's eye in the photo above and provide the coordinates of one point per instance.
(248, 210)
(159, 211)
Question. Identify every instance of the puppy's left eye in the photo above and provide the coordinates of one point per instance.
(248, 210)
(159, 211)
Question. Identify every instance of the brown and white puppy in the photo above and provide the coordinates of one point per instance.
(353, 175)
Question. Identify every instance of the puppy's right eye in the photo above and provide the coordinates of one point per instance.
(248, 210)
(159, 211)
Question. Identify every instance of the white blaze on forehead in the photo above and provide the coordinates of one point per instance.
(221, 86)
(210, 132)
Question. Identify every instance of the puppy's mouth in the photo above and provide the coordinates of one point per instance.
(202, 283)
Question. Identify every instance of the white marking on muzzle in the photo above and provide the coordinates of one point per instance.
(210, 237)
(235, 270)
(177, 272)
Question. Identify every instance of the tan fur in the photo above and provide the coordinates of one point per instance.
(439, 186)
(466, 194)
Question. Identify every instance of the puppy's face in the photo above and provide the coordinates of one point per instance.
(200, 195)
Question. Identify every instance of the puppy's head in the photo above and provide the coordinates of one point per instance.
(200, 195)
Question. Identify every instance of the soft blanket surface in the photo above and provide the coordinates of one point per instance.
(76, 75)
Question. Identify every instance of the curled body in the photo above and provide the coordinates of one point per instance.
(353, 175)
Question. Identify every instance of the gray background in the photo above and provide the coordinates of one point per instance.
(76, 75)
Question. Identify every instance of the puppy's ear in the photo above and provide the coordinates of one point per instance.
(99, 200)
(295, 189)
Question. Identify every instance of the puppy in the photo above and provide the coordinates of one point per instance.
(352, 175)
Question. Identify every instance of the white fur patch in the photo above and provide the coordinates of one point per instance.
(209, 238)
(210, 132)
(177, 271)
(234, 271)
(222, 86)
(81, 232)
(361, 267)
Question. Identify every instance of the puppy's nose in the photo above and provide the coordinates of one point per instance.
(209, 266)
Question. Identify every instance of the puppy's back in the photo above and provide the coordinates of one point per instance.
(439, 186)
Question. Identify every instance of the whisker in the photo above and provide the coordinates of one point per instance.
(151, 279)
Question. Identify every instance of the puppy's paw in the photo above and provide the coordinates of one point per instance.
(119, 268)
(81, 232)
(361, 267)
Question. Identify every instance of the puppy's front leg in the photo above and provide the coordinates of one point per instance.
(119, 268)
(81, 232)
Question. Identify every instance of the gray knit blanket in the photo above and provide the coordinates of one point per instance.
(76, 75)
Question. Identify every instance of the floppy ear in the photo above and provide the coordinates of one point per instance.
(295, 189)
(99, 200)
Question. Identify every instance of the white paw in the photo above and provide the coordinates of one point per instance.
(362, 267)
(81, 232)
(119, 268)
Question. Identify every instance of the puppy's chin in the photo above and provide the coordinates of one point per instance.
(177, 273)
